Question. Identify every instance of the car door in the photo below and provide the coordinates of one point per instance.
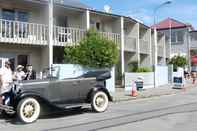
(64, 91)
(85, 86)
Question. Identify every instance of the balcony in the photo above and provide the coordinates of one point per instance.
(23, 32)
(130, 44)
(144, 47)
(17, 32)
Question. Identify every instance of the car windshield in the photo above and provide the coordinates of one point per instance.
(54, 72)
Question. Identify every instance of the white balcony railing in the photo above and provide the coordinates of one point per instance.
(130, 44)
(144, 46)
(64, 36)
(115, 37)
(23, 32)
(37, 34)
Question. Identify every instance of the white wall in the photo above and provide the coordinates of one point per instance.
(161, 77)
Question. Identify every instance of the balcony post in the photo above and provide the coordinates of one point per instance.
(138, 43)
(122, 46)
(87, 19)
(155, 57)
(164, 48)
(50, 34)
(150, 45)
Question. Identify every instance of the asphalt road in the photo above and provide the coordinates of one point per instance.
(166, 113)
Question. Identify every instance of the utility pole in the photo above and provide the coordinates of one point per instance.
(155, 40)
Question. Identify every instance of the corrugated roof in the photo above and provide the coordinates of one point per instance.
(170, 23)
(68, 3)
(76, 3)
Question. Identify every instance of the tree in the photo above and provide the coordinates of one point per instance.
(93, 51)
(178, 61)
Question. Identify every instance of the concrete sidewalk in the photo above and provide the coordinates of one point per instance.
(121, 95)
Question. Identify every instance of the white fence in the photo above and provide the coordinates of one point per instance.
(161, 78)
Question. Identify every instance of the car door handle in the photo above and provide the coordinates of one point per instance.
(76, 83)
(93, 82)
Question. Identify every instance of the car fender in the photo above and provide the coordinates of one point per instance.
(96, 89)
(35, 95)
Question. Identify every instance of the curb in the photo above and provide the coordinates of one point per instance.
(140, 97)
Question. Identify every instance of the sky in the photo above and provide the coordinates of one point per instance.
(182, 10)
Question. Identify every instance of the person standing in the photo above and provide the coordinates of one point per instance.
(6, 79)
(20, 74)
(30, 74)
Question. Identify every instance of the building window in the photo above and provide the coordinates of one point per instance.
(173, 37)
(8, 14)
(98, 26)
(180, 36)
(95, 25)
(22, 16)
(177, 36)
(194, 36)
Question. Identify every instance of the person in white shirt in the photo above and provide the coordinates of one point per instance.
(6, 79)
(20, 74)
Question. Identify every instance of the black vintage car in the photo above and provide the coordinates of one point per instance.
(27, 97)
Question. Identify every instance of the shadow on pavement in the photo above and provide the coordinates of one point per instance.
(52, 114)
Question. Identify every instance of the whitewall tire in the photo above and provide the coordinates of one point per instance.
(28, 110)
(99, 102)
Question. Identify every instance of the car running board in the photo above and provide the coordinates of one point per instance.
(6, 108)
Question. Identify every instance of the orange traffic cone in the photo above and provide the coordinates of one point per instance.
(134, 90)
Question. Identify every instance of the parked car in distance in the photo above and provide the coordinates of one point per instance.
(28, 97)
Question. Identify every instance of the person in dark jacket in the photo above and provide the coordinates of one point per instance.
(30, 74)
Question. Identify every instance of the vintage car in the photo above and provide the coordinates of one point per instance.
(27, 97)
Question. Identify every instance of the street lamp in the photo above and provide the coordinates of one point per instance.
(158, 7)
(155, 37)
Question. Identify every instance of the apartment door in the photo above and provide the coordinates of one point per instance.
(62, 21)
(23, 60)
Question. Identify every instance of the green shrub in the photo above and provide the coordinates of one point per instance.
(133, 66)
(93, 51)
(144, 69)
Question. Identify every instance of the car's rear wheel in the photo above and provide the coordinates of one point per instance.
(28, 110)
(99, 101)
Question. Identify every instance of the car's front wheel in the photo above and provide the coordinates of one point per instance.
(28, 110)
(99, 101)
